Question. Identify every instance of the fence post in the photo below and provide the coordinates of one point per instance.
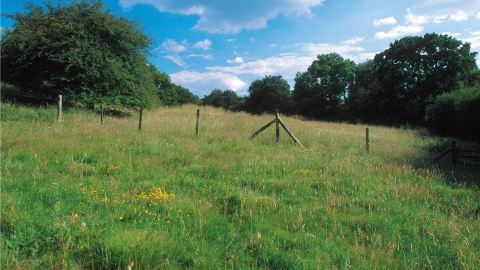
(277, 126)
(367, 140)
(454, 152)
(59, 106)
(140, 118)
(198, 121)
(101, 113)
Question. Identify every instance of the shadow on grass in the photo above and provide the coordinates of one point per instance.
(458, 174)
(115, 111)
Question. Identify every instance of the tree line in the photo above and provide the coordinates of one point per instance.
(429, 80)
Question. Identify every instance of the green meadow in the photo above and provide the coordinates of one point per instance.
(81, 195)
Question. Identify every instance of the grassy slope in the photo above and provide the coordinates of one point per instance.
(82, 195)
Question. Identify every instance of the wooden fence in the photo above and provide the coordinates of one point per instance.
(278, 123)
(460, 156)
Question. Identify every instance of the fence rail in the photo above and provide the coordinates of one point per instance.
(460, 156)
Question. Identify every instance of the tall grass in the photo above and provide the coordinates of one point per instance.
(78, 194)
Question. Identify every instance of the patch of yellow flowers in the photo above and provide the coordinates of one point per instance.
(155, 193)
(304, 172)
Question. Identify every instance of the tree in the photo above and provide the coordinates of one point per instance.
(215, 98)
(268, 95)
(414, 70)
(308, 100)
(166, 89)
(320, 91)
(363, 101)
(80, 51)
(231, 101)
(227, 99)
(185, 96)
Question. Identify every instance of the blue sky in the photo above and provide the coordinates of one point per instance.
(208, 44)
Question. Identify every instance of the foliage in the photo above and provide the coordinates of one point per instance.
(79, 195)
(456, 114)
(166, 88)
(361, 105)
(169, 93)
(78, 50)
(414, 70)
(185, 96)
(227, 99)
(268, 95)
(319, 92)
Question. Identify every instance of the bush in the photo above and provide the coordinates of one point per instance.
(456, 114)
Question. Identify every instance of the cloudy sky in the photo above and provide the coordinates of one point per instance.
(227, 44)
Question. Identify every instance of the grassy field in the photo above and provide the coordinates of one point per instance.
(80, 195)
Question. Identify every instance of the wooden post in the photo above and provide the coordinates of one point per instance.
(290, 133)
(59, 105)
(454, 152)
(278, 126)
(198, 121)
(140, 118)
(101, 113)
(263, 128)
(278, 121)
(367, 140)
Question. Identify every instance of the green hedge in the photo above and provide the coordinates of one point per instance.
(456, 114)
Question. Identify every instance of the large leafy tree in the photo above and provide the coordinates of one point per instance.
(308, 99)
(362, 103)
(268, 95)
(79, 50)
(320, 90)
(414, 70)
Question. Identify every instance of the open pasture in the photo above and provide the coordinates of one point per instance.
(81, 195)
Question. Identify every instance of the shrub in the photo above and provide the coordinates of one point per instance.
(456, 114)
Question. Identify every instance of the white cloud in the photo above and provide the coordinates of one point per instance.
(477, 16)
(202, 82)
(399, 30)
(384, 21)
(204, 45)
(231, 40)
(237, 60)
(324, 48)
(363, 57)
(439, 11)
(459, 16)
(177, 60)
(415, 19)
(287, 65)
(204, 56)
(173, 46)
(439, 19)
(353, 40)
(230, 16)
(474, 41)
